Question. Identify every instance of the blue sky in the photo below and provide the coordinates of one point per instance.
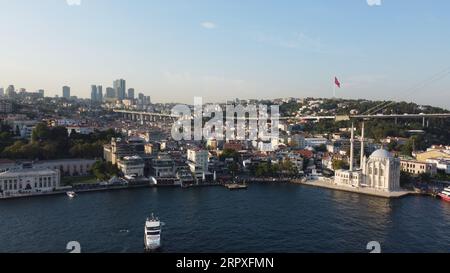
(175, 50)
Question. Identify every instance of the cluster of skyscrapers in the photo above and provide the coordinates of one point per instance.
(117, 92)
(11, 92)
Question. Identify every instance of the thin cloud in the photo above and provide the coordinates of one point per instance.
(208, 25)
(73, 2)
(294, 41)
(374, 3)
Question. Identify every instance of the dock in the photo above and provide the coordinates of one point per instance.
(331, 186)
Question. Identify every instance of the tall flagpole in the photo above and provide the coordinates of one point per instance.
(334, 88)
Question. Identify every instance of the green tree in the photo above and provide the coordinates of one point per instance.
(229, 153)
(340, 164)
(40, 133)
(104, 170)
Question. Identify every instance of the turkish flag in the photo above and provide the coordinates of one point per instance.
(337, 82)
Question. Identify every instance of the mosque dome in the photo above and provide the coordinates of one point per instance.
(381, 153)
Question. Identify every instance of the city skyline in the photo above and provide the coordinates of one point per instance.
(229, 49)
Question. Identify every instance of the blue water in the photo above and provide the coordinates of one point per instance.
(265, 218)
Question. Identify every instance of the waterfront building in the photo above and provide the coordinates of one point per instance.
(66, 92)
(119, 148)
(381, 171)
(6, 165)
(327, 162)
(442, 164)
(297, 161)
(132, 166)
(197, 159)
(67, 167)
(28, 181)
(417, 167)
(163, 166)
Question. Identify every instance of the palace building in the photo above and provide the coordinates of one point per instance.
(28, 181)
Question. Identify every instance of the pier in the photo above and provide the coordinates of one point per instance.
(328, 185)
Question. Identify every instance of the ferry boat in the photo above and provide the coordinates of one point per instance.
(445, 194)
(152, 237)
(71, 194)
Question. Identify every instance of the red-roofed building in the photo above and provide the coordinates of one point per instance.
(305, 153)
(236, 146)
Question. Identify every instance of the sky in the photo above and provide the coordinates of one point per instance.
(173, 50)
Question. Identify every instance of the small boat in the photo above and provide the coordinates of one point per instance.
(445, 194)
(71, 194)
(236, 186)
(152, 237)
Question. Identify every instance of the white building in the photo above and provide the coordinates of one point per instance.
(67, 167)
(82, 130)
(6, 165)
(297, 161)
(132, 166)
(315, 142)
(28, 181)
(381, 171)
(23, 127)
(197, 159)
(163, 166)
(442, 164)
(416, 167)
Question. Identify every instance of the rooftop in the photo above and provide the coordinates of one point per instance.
(27, 171)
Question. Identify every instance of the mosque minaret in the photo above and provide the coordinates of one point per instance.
(380, 172)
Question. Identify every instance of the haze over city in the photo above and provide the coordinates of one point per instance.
(225, 135)
(225, 49)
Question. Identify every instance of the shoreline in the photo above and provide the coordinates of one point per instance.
(310, 183)
(80, 191)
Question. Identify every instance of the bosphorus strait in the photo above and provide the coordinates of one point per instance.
(267, 218)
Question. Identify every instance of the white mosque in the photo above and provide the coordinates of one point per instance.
(379, 172)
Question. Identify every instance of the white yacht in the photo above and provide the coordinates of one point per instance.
(71, 194)
(445, 194)
(152, 238)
